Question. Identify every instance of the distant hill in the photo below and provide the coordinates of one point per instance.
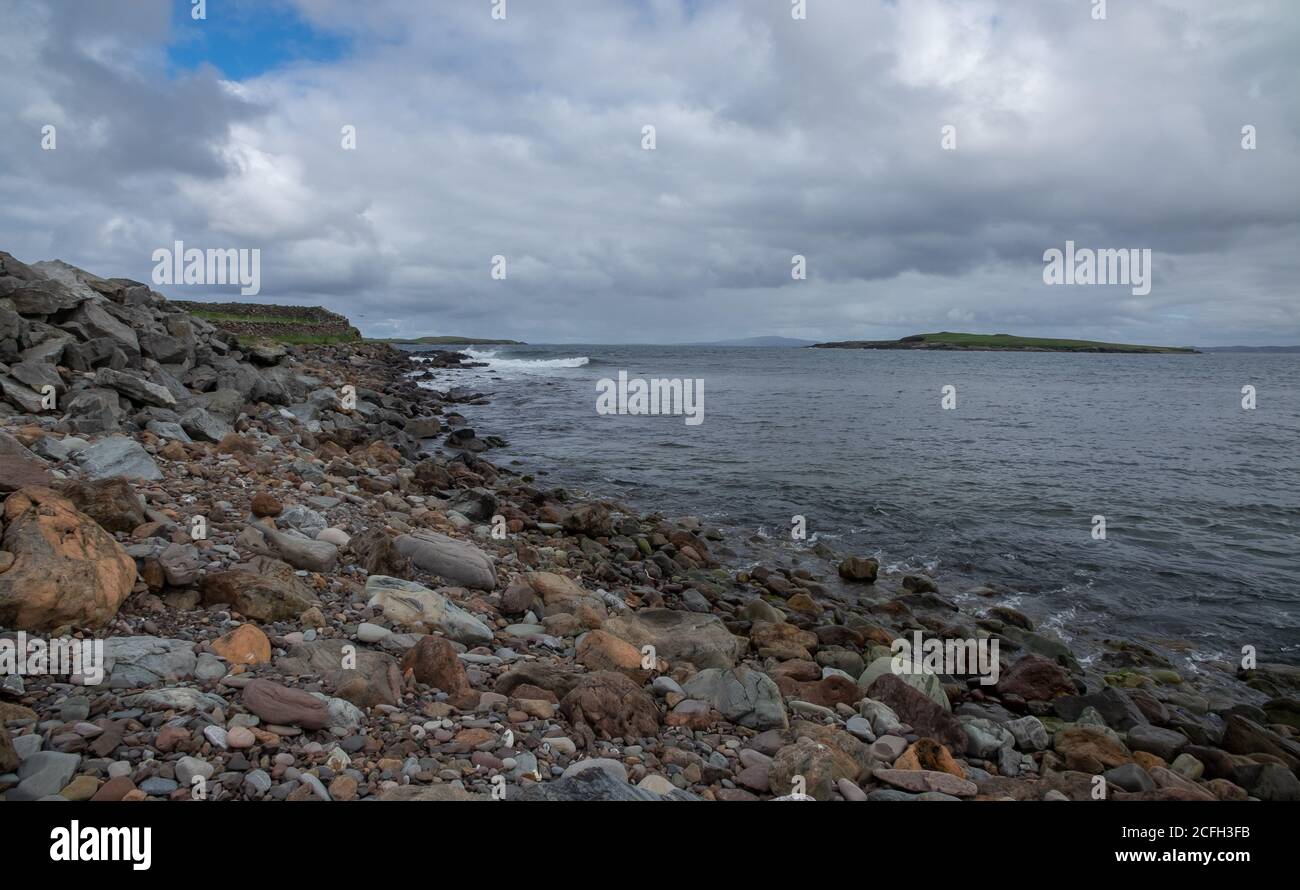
(785, 342)
(947, 340)
(446, 341)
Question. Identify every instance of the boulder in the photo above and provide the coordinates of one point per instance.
(300, 552)
(246, 644)
(919, 711)
(599, 650)
(66, 569)
(608, 705)
(929, 684)
(859, 570)
(374, 680)
(1035, 678)
(118, 456)
(8, 755)
(137, 389)
(810, 768)
(111, 502)
(922, 781)
(20, 395)
(203, 426)
(742, 695)
(279, 704)
(457, 562)
(180, 564)
(702, 640)
(99, 322)
(1090, 749)
(263, 589)
(433, 661)
(558, 593)
(409, 604)
(93, 411)
(20, 468)
(141, 662)
(43, 297)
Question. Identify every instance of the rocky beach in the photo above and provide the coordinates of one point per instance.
(311, 581)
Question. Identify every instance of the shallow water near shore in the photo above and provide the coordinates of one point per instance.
(1201, 498)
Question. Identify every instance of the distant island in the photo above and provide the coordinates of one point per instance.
(444, 341)
(946, 340)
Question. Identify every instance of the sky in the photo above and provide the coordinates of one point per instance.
(822, 137)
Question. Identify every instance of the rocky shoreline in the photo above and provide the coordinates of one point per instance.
(312, 582)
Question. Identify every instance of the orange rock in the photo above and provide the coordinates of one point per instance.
(245, 644)
(66, 570)
(927, 754)
(265, 504)
(602, 651)
(174, 450)
(1148, 761)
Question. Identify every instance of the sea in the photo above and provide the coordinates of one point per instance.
(988, 470)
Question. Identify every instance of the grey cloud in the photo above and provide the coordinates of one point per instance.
(776, 137)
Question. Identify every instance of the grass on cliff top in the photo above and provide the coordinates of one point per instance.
(447, 341)
(294, 339)
(208, 315)
(1008, 341)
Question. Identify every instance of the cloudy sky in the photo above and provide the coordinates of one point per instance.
(522, 137)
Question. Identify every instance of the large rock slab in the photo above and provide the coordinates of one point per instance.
(264, 589)
(457, 562)
(609, 705)
(742, 695)
(67, 570)
(919, 711)
(135, 388)
(299, 551)
(111, 502)
(45, 298)
(928, 683)
(44, 773)
(375, 680)
(413, 605)
(434, 662)
(20, 395)
(558, 592)
(820, 766)
(279, 704)
(175, 698)
(118, 456)
(20, 468)
(139, 662)
(702, 640)
(99, 322)
(919, 781)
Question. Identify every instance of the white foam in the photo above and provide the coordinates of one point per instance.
(524, 364)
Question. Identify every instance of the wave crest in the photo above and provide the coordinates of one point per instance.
(497, 363)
